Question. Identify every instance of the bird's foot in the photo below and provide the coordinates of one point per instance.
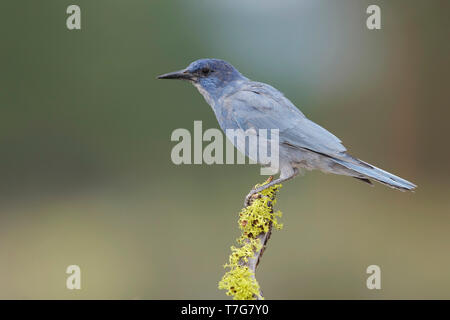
(250, 197)
(254, 194)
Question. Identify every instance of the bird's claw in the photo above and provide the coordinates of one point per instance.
(254, 193)
(250, 197)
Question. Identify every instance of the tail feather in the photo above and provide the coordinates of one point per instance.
(368, 171)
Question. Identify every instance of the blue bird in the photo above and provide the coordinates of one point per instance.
(240, 103)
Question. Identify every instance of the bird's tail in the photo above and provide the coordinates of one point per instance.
(368, 171)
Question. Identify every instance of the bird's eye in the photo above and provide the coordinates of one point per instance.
(206, 71)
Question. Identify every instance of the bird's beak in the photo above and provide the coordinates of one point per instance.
(181, 75)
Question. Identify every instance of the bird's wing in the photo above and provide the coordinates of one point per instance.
(260, 106)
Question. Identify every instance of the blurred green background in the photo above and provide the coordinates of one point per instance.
(85, 170)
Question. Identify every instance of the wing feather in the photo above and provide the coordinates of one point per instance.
(261, 106)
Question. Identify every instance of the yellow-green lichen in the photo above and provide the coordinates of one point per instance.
(239, 281)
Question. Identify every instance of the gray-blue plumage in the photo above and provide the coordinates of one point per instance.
(240, 103)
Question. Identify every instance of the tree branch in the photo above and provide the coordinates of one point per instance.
(256, 222)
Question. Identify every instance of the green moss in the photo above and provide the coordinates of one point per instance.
(239, 281)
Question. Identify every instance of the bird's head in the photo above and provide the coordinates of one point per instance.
(211, 75)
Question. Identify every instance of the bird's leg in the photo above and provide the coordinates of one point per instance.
(268, 185)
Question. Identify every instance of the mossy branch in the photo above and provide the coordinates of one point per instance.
(256, 222)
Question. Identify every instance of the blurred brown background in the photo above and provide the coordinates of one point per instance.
(85, 170)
